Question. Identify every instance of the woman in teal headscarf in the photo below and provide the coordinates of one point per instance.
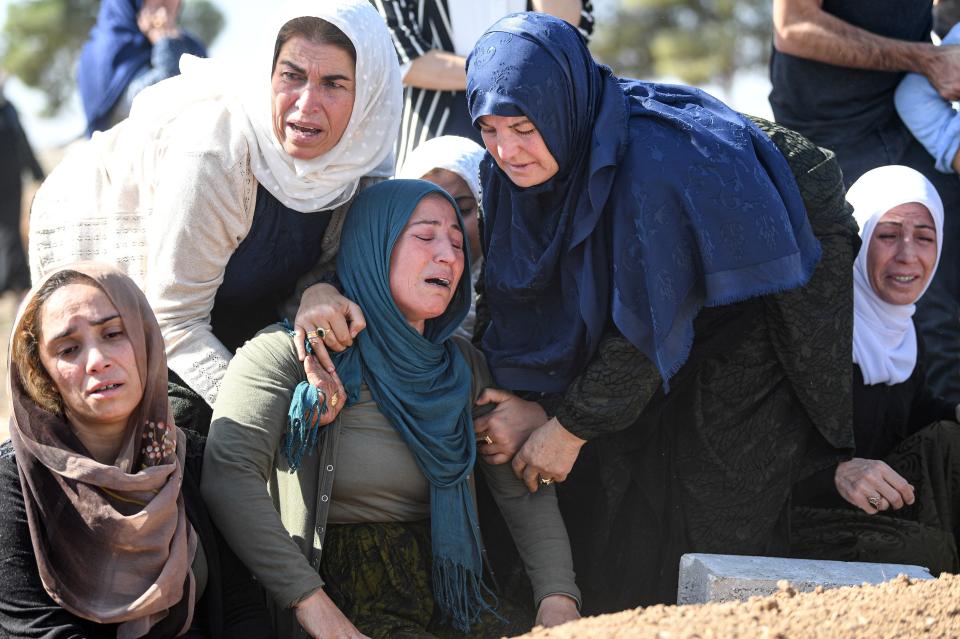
(398, 529)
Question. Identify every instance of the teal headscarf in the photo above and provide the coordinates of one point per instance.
(421, 384)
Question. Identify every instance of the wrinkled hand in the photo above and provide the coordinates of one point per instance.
(321, 618)
(555, 610)
(549, 453)
(322, 306)
(332, 388)
(943, 71)
(860, 479)
(508, 425)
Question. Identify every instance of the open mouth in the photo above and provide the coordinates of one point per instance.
(304, 130)
(104, 388)
(904, 279)
(439, 281)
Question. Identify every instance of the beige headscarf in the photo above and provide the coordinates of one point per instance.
(113, 543)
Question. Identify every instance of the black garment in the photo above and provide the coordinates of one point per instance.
(232, 606)
(830, 104)
(17, 157)
(851, 112)
(914, 432)
(418, 27)
(762, 401)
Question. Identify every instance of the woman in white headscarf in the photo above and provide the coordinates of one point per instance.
(906, 464)
(226, 184)
(453, 163)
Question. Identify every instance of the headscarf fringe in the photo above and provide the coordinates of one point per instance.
(303, 423)
(462, 595)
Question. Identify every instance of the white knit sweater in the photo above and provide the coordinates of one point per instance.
(169, 205)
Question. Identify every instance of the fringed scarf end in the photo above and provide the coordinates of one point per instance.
(462, 595)
(303, 423)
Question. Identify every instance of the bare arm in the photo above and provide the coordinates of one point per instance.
(803, 29)
(567, 10)
(439, 71)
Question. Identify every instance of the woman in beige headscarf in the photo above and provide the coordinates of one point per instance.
(103, 531)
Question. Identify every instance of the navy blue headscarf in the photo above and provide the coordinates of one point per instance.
(421, 384)
(666, 201)
(112, 57)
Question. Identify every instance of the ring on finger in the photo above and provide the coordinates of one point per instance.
(335, 399)
(545, 481)
(321, 332)
(875, 501)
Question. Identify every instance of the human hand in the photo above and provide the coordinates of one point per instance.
(860, 480)
(321, 618)
(332, 388)
(322, 306)
(507, 426)
(157, 19)
(547, 456)
(555, 610)
(943, 71)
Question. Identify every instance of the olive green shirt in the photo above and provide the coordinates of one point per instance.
(276, 520)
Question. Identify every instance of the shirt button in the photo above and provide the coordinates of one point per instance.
(324, 498)
(330, 468)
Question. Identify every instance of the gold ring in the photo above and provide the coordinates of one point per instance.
(546, 481)
(320, 332)
(875, 501)
(334, 399)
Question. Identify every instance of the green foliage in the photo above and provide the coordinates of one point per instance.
(698, 41)
(43, 39)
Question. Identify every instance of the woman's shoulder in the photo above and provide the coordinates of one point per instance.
(479, 371)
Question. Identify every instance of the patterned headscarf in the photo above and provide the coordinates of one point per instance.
(112, 542)
(666, 201)
(884, 338)
(451, 152)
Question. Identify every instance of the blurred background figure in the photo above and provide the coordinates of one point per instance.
(432, 43)
(16, 158)
(135, 43)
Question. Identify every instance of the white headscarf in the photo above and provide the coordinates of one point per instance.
(451, 152)
(884, 339)
(367, 143)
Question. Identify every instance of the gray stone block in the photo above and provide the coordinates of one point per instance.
(705, 578)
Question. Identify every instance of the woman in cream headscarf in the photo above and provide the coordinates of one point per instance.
(227, 184)
(103, 532)
(905, 463)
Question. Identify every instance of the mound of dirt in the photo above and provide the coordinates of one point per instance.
(896, 609)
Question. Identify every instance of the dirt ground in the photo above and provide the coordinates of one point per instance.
(897, 609)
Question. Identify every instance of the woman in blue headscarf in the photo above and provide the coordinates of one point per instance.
(398, 530)
(135, 43)
(668, 288)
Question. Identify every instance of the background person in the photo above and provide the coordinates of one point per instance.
(368, 526)
(226, 185)
(134, 44)
(905, 465)
(433, 39)
(835, 67)
(103, 531)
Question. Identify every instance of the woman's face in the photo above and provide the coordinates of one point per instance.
(902, 253)
(85, 350)
(313, 91)
(518, 149)
(427, 261)
(460, 191)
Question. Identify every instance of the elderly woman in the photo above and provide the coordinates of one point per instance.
(226, 185)
(669, 291)
(103, 531)
(385, 490)
(905, 466)
(134, 44)
(453, 163)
